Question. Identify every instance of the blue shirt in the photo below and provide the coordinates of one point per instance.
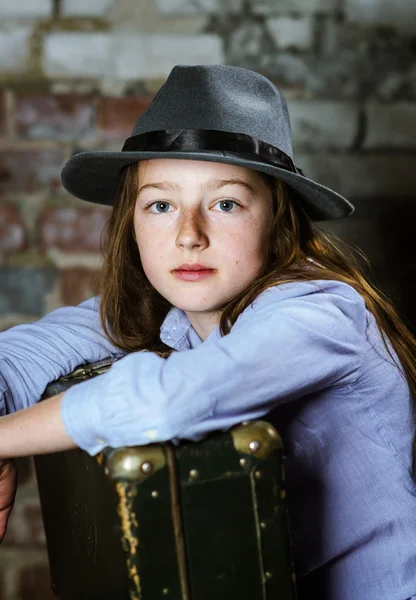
(308, 354)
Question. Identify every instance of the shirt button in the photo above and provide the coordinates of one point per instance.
(101, 441)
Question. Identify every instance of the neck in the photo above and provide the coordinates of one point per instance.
(203, 323)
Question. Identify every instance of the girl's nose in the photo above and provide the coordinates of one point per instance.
(192, 232)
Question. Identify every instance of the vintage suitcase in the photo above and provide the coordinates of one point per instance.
(194, 521)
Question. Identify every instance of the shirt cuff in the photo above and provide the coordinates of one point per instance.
(81, 417)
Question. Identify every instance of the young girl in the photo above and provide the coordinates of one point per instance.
(226, 303)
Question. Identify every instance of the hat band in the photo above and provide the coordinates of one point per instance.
(199, 140)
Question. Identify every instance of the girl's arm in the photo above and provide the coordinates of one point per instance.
(295, 340)
(36, 430)
(31, 356)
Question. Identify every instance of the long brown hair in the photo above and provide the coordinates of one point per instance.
(132, 311)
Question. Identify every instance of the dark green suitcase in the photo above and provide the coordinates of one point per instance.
(196, 521)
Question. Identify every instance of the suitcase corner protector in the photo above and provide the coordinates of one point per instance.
(257, 438)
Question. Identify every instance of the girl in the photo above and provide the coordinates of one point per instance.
(227, 303)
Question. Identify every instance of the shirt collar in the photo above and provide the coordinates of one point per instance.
(177, 332)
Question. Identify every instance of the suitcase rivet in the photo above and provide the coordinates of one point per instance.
(146, 467)
(194, 473)
(243, 462)
(155, 494)
(258, 474)
(254, 445)
(165, 591)
(263, 525)
(267, 575)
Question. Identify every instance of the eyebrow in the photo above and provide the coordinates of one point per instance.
(212, 184)
(162, 185)
(215, 184)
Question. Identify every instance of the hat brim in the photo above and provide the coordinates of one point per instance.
(94, 176)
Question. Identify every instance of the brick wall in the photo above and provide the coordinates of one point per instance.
(75, 75)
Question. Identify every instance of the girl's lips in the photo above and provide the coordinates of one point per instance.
(186, 275)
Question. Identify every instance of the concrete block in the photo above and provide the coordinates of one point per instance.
(79, 54)
(330, 37)
(153, 56)
(401, 13)
(291, 33)
(192, 7)
(125, 55)
(362, 176)
(81, 8)
(144, 17)
(15, 48)
(25, 8)
(322, 125)
(24, 289)
(304, 7)
(391, 126)
(245, 43)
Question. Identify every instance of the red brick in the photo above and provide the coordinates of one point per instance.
(35, 584)
(30, 170)
(73, 229)
(118, 116)
(12, 231)
(77, 285)
(63, 117)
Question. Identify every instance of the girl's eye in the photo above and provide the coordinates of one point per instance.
(226, 205)
(160, 207)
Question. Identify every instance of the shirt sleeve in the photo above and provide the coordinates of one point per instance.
(31, 356)
(289, 343)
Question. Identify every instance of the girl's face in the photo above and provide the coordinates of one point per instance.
(209, 216)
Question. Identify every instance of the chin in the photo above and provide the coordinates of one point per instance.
(195, 307)
(194, 304)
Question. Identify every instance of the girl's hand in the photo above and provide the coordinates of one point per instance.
(8, 483)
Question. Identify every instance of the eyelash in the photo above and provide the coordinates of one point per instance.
(149, 206)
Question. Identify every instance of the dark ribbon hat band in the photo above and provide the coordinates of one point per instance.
(198, 140)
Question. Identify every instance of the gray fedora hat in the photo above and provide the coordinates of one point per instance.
(216, 113)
